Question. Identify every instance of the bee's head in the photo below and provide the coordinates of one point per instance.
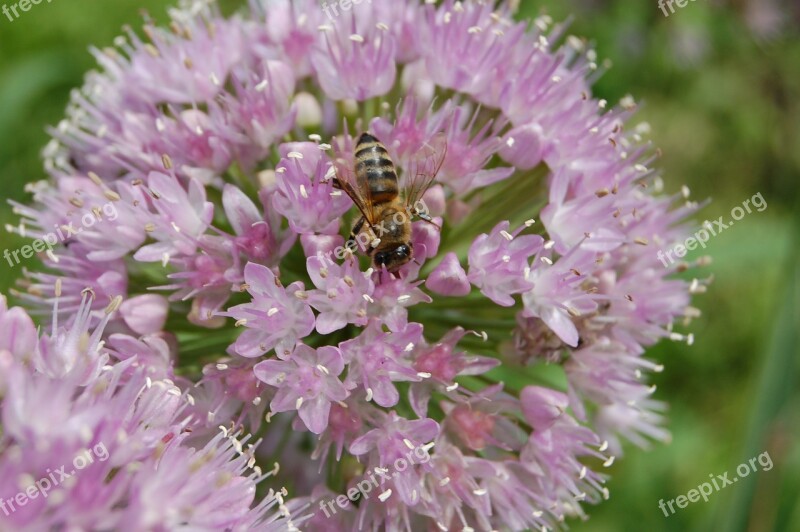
(393, 257)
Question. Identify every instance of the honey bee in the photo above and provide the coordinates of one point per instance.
(384, 228)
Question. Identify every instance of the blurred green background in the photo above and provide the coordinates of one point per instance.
(719, 83)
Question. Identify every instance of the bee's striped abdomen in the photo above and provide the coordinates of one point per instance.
(375, 167)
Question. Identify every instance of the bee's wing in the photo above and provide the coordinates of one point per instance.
(423, 167)
(358, 191)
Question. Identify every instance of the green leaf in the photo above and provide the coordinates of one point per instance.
(774, 390)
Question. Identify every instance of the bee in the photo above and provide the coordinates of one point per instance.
(384, 227)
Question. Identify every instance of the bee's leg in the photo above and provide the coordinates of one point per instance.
(425, 218)
(357, 227)
(353, 243)
(374, 238)
(372, 241)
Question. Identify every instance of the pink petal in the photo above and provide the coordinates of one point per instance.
(241, 211)
(560, 323)
(542, 406)
(145, 314)
(315, 413)
(448, 278)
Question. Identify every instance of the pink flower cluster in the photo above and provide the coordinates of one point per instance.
(216, 139)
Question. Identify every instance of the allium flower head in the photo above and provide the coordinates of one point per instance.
(219, 143)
